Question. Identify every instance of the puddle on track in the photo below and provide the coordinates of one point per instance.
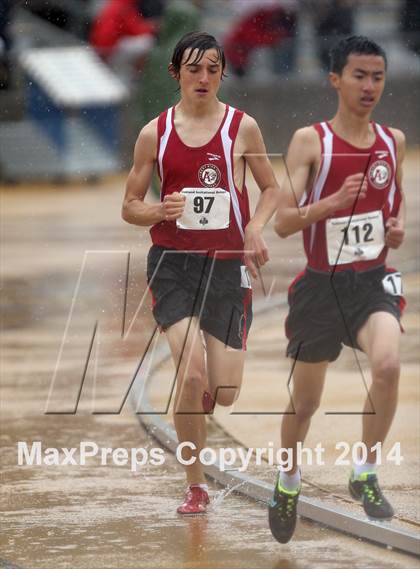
(106, 517)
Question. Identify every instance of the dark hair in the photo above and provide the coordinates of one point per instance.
(200, 41)
(359, 45)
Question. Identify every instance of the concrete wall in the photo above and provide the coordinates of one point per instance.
(279, 106)
(283, 106)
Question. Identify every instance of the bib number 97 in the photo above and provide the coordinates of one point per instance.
(203, 204)
(205, 208)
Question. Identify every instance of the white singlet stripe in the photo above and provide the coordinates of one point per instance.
(388, 141)
(303, 199)
(325, 168)
(164, 141)
(227, 147)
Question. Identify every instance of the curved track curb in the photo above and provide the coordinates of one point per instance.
(382, 533)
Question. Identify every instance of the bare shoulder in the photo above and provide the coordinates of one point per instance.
(147, 140)
(248, 122)
(399, 137)
(248, 127)
(249, 139)
(306, 135)
(149, 131)
(305, 145)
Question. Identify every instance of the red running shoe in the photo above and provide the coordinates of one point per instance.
(196, 501)
(208, 402)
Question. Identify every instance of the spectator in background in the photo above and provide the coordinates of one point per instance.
(5, 42)
(54, 13)
(410, 24)
(333, 19)
(152, 9)
(157, 91)
(262, 23)
(122, 36)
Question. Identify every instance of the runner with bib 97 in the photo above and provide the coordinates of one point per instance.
(343, 191)
(203, 239)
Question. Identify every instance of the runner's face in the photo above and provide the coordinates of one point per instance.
(200, 80)
(361, 83)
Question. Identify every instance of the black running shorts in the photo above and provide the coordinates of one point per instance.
(326, 312)
(187, 284)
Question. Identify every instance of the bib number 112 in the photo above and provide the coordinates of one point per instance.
(358, 238)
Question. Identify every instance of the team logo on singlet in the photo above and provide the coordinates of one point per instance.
(209, 175)
(380, 174)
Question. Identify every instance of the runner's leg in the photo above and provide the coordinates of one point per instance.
(379, 338)
(225, 370)
(308, 384)
(190, 423)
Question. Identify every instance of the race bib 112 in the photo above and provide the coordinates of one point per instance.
(357, 238)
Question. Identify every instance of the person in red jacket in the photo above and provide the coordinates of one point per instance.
(262, 23)
(121, 35)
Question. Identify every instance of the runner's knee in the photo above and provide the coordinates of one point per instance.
(305, 408)
(192, 385)
(386, 371)
(227, 395)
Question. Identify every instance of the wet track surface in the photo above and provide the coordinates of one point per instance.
(107, 516)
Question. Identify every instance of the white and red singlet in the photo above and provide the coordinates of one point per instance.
(216, 211)
(353, 238)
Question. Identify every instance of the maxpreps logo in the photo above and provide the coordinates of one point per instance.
(209, 175)
(380, 174)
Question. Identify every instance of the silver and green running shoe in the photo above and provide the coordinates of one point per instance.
(282, 512)
(366, 489)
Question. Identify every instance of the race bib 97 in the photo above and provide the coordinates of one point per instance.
(205, 208)
(357, 238)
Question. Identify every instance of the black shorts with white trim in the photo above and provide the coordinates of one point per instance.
(185, 285)
(327, 311)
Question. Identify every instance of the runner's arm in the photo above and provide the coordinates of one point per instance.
(395, 225)
(303, 154)
(134, 209)
(255, 154)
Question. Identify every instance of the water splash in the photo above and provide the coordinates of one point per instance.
(220, 496)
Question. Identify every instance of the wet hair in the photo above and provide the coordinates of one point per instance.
(200, 41)
(358, 45)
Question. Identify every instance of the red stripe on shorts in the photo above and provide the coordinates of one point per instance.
(247, 300)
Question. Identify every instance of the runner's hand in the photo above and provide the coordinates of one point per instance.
(394, 233)
(173, 206)
(255, 250)
(354, 187)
